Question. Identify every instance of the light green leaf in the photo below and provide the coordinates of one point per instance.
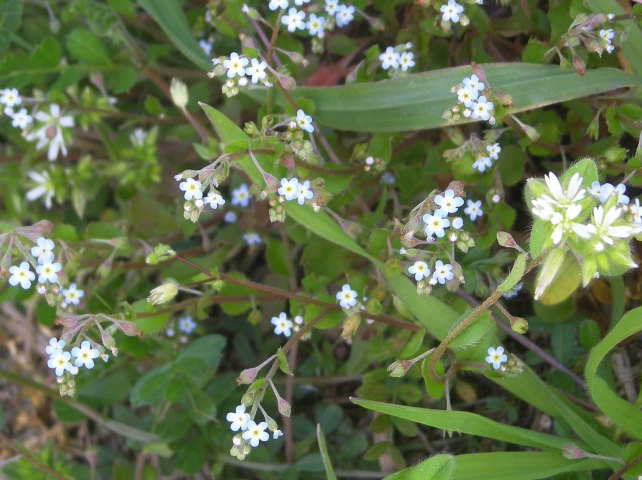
(439, 467)
(329, 471)
(169, 15)
(507, 466)
(10, 20)
(86, 47)
(515, 275)
(618, 410)
(467, 423)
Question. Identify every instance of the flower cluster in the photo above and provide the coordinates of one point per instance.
(340, 15)
(292, 189)
(61, 360)
(397, 58)
(251, 434)
(185, 325)
(284, 326)
(482, 162)
(195, 200)
(452, 12)
(595, 223)
(240, 71)
(472, 101)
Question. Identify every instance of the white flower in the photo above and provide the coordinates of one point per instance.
(602, 228)
(85, 355)
(389, 58)
(256, 70)
(186, 324)
(345, 15)
(473, 209)
(448, 202)
(251, 239)
(467, 96)
(73, 294)
(241, 196)
(347, 297)
(636, 212)
(474, 83)
(54, 346)
(316, 25)
(48, 272)
(59, 361)
(256, 433)
(9, 97)
(304, 121)
(289, 188)
(229, 217)
(457, 223)
(277, 433)
(239, 419)
(301, 2)
(332, 6)
(496, 357)
(214, 200)
(557, 196)
(43, 250)
(482, 163)
(294, 20)
(206, 46)
(277, 4)
(50, 132)
(304, 193)
(564, 223)
(235, 65)
(420, 270)
(21, 119)
(450, 12)
(604, 191)
(406, 61)
(435, 224)
(443, 272)
(44, 187)
(138, 137)
(21, 275)
(494, 150)
(192, 189)
(282, 325)
(482, 108)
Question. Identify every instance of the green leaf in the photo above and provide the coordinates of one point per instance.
(507, 466)
(439, 467)
(467, 423)
(618, 410)
(329, 471)
(283, 362)
(169, 15)
(417, 101)
(515, 275)
(86, 47)
(10, 20)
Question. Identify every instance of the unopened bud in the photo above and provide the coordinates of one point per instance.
(399, 368)
(519, 325)
(350, 326)
(247, 376)
(573, 452)
(505, 239)
(248, 399)
(163, 293)
(179, 93)
(287, 82)
(284, 407)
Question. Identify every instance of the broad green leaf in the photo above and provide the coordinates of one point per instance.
(86, 47)
(515, 275)
(507, 466)
(417, 101)
(169, 15)
(439, 467)
(566, 281)
(329, 471)
(10, 20)
(467, 423)
(585, 167)
(618, 410)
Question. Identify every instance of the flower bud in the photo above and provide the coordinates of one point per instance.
(505, 239)
(350, 326)
(399, 368)
(284, 407)
(247, 376)
(573, 452)
(163, 293)
(519, 325)
(247, 400)
(550, 268)
(179, 93)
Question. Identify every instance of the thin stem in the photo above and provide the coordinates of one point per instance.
(24, 453)
(466, 322)
(293, 296)
(624, 468)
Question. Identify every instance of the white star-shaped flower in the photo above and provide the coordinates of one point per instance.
(443, 272)
(239, 419)
(235, 65)
(473, 209)
(420, 270)
(21, 275)
(496, 357)
(85, 355)
(435, 224)
(347, 297)
(294, 20)
(451, 11)
(448, 202)
(389, 59)
(304, 121)
(192, 189)
(289, 188)
(256, 433)
(282, 326)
